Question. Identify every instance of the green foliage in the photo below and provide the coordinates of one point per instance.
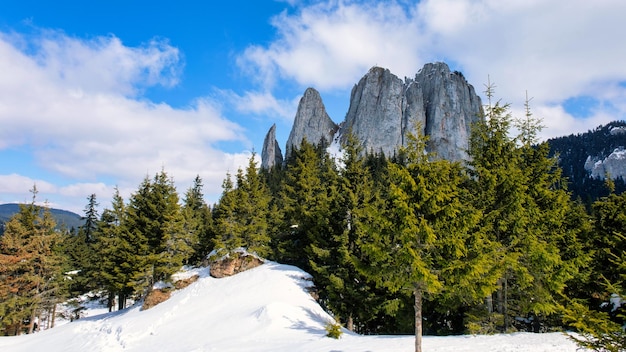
(30, 266)
(241, 216)
(198, 222)
(525, 207)
(333, 330)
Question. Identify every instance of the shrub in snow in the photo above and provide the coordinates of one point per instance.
(333, 330)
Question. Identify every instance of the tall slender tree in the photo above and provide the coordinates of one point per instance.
(30, 266)
(198, 221)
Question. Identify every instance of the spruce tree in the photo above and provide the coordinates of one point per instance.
(524, 203)
(198, 221)
(30, 266)
(154, 214)
(421, 243)
(307, 200)
(79, 248)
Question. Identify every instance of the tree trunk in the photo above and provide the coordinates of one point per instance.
(54, 315)
(122, 301)
(417, 292)
(350, 323)
(31, 324)
(111, 301)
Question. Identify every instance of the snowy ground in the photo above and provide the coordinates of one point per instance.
(263, 309)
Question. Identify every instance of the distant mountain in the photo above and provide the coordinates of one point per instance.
(64, 219)
(587, 158)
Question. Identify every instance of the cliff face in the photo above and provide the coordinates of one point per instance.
(451, 106)
(271, 154)
(311, 122)
(375, 116)
(384, 110)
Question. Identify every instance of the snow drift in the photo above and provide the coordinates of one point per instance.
(267, 308)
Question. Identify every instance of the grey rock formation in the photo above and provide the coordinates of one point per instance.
(311, 122)
(451, 106)
(271, 154)
(384, 110)
(613, 165)
(375, 116)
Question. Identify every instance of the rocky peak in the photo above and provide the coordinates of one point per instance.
(271, 154)
(375, 112)
(451, 106)
(384, 110)
(311, 122)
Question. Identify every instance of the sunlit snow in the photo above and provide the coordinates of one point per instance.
(264, 309)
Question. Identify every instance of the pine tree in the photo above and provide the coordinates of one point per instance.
(422, 239)
(198, 221)
(30, 266)
(525, 206)
(154, 214)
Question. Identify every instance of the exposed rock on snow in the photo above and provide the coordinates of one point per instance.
(233, 264)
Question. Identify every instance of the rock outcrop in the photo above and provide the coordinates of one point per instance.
(232, 264)
(384, 110)
(613, 165)
(271, 154)
(375, 115)
(311, 123)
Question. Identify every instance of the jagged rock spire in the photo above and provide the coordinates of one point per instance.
(311, 122)
(271, 154)
(384, 110)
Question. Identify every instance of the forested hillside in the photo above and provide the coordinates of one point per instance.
(63, 218)
(412, 244)
(573, 152)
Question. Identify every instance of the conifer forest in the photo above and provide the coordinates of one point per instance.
(407, 244)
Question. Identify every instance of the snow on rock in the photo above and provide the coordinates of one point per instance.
(613, 165)
(266, 308)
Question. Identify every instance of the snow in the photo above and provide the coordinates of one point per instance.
(266, 308)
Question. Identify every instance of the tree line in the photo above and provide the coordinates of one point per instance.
(404, 244)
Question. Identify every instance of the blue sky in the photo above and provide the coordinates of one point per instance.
(100, 94)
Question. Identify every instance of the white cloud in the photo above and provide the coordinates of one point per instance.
(555, 50)
(77, 105)
(330, 45)
(262, 103)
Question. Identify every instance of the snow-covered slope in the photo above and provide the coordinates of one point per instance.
(263, 309)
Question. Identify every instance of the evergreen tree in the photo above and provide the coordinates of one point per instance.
(524, 204)
(599, 317)
(122, 253)
(30, 266)
(242, 215)
(422, 239)
(307, 200)
(228, 228)
(198, 221)
(154, 214)
(80, 251)
(346, 291)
